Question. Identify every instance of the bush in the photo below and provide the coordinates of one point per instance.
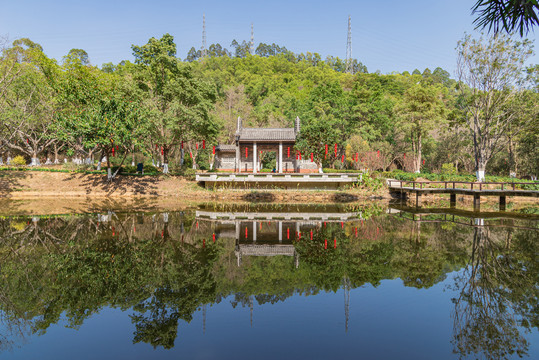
(18, 160)
(449, 169)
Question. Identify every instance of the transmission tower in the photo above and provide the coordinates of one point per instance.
(252, 45)
(349, 67)
(203, 50)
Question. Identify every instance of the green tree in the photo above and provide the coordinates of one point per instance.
(420, 110)
(178, 103)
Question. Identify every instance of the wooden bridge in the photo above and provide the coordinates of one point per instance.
(454, 188)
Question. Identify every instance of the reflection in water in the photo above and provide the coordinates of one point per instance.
(167, 266)
(498, 294)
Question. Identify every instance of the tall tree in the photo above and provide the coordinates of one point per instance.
(179, 104)
(420, 110)
(489, 72)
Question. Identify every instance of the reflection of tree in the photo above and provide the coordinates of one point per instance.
(498, 292)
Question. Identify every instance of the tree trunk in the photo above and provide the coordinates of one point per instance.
(164, 155)
(418, 157)
(56, 153)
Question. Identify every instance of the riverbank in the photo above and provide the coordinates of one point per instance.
(53, 185)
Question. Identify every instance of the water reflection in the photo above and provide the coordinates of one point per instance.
(167, 266)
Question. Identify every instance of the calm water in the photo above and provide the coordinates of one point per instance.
(269, 281)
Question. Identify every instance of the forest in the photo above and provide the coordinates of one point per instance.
(169, 113)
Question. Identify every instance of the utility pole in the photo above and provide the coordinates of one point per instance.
(252, 45)
(203, 50)
(349, 65)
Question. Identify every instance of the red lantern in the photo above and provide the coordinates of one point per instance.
(203, 144)
(311, 235)
(155, 146)
(404, 156)
(335, 149)
(27, 141)
(423, 161)
(312, 157)
(191, 154)
(213, 149)
(117, 147)
(289, 151)
(213, 235)
(196, 145)
(357, 157)
(325, 243)
(300, 156)
(204, 243)
(342, 159)
(326, 149)
(378, 153)
(182, 145)
(113, 152)
(334, 243)
(162, 151)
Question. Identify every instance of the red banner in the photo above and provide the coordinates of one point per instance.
(203, 144)
(312, 157)
(213, 149)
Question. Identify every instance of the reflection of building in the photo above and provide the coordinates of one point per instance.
(268, 233)
(250, 145)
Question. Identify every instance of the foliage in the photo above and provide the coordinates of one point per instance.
(507, 15)
(18, 160)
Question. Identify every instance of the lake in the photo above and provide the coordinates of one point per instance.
(267, 281)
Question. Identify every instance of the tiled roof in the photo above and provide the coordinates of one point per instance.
(222, 147)
(247, 134)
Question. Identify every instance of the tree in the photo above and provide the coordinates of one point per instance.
(26, 104)
(489, 74)
(507, 15)
(420, 110)
(178, 104)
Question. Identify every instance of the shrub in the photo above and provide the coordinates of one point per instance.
(18, 160)
(449, 169)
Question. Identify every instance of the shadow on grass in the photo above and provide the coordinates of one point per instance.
(137, 185)
(10, 181)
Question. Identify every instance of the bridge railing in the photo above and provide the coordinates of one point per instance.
(453, 185)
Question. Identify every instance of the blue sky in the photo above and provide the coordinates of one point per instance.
(387, 35)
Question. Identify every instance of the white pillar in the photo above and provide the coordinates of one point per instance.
(254, 231)
(238, 158)
(280, 231)
(280, 157)
(254, 158)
